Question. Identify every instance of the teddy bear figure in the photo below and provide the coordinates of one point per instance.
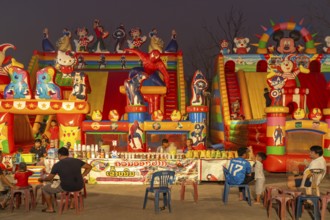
(241, 45)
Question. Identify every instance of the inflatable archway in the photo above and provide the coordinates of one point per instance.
(288, 26)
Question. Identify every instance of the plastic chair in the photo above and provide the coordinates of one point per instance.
(27, 194)
(162, 179)
(283, 200)
(325, 200)
(316, 175)
(269, 191)
(314, 199)
(246, 189)
(78, 201)
(36, 190)
(183, 188)
(292, 202)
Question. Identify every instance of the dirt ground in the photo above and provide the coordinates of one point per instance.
(125, 202)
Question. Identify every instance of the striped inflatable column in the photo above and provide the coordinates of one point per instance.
(136, 135)
(197, 116)
(326, 145)
(276, 118)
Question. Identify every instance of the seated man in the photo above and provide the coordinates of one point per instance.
(240, 170)
(5, 181)
(318, 162)
(189, 145)
(71, 179)
(164, 148)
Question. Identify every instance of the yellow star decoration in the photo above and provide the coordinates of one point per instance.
(31, 105)
(56, 106)
(80, 106)
(7, 105)
(44, 105)
(19, 105)
(68, 106)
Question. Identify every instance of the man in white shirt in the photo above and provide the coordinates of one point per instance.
(164, 148)
(318, 162)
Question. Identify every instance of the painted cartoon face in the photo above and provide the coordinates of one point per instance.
(17, 77)
(241, 42)
(66, 58)
(286, 46)
(82, 32)
(287, 66)
(69, 133)
(96, 115)
(277, 82)
(176, 115)
(113, 115)
(224, 44)
(135, 32)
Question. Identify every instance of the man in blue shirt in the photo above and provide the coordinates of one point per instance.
(240, 170)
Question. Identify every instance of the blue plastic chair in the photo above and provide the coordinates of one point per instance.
(160, 184)
(315, 200)
(246, 189)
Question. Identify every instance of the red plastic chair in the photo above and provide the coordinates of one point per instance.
(325, 200)
(27, 194)
(183, 188)
(269, 191)
(78, 201)
(283, 200)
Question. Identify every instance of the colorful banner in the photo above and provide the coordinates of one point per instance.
(118, 171)
(211, 169)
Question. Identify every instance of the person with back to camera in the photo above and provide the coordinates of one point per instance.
(71, 179)
(318, 162)
(240, 170)
(22, 176)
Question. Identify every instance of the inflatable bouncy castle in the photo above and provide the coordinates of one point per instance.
(276, 100)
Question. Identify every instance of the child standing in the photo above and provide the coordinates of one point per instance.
(54, 130)
(259, 175)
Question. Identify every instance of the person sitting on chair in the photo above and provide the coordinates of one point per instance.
(318, 162)
(71, 179)
(240, 170)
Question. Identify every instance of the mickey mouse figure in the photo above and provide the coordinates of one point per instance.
(286, 45)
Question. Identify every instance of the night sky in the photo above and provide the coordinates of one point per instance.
(22, 22)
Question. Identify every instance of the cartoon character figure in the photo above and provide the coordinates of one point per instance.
(64, 44)
(157, 115)
(81, 62)
(315, 114)
(65, 62)
(69, 134)
(123, 62)
(175, 115)
(198, 88)
(113, 115)
(172, 46)
(102, 62)
(96, 115)
(120, 36)
(286, 45)
(101, 34)
(151, 63)
(236, 110)
(224, 47)
(5, 61)
(84, 40)
(137, 39)
(132, 86)
(241, 45)
(197, 134)
(135, 136)
(47, 46)
(155, 42)
(276, 83)
(18, 88)
(278, 135)
(79, 86)
(288, 70)
(327, 43)
(3, 136)
(46, 88)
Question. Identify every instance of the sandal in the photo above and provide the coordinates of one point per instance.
(48, 211)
